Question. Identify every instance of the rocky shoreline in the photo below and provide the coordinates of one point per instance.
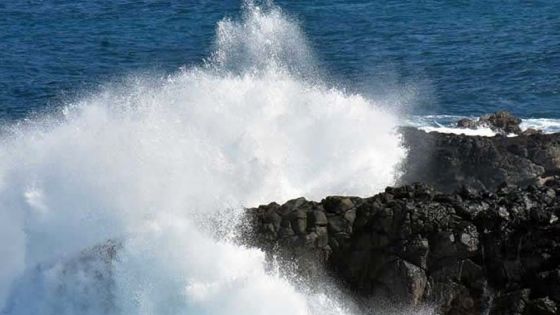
(472, 228)
(450, 161)
(480, 235)
(463, 252)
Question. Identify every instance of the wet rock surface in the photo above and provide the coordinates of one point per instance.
(502, 122)
(467, 252)
(449, 161)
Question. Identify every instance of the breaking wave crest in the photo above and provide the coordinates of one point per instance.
(100, 209)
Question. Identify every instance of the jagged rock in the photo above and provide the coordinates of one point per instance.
(463, 252)
(467, 123)
(404, 282)
(513, 303)
(531, 131)
(449, 161)
(502, 122)
(542, 306)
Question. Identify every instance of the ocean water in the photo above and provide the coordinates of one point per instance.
(152, 124)
(436, 57)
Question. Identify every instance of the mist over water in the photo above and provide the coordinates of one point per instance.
(144, 162)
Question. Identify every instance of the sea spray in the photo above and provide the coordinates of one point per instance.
(139, 163)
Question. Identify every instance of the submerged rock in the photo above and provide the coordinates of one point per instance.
(466, 252)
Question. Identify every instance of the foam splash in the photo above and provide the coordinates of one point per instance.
(448, 124)
(141, 162)
(481, 131)
(547, 125)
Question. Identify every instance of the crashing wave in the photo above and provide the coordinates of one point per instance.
(149, 161)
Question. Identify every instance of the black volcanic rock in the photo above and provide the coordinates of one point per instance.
(465, 252)
(467, 123)
(450, 161)
(502, 122)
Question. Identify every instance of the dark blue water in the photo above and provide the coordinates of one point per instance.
(446, 57)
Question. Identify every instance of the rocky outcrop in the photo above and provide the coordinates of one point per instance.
(501, 122)
(450, 161)
(467, 252)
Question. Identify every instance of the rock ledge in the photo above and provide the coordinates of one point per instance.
(465, 252)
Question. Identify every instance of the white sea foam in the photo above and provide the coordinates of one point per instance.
(482, 131)
(448, 124)
(547, 125)
(141, 162)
